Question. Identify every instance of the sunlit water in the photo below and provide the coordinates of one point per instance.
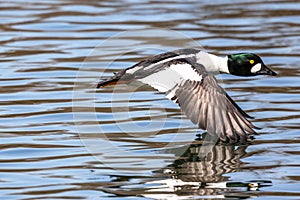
(53, 124)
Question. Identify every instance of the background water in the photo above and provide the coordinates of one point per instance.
(43, 48)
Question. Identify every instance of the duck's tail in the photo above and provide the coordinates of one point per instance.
(110, 81)
(119, 76)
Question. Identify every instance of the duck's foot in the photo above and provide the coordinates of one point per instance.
(201, 136)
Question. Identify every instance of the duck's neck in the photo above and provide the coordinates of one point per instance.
(212, 63)
(220, 62)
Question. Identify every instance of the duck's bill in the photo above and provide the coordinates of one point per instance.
(266, 71)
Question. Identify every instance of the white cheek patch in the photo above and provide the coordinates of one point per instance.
(256, 68)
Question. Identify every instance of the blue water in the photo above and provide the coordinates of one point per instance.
(62, 139)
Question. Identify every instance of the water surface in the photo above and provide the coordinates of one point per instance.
(45, 109)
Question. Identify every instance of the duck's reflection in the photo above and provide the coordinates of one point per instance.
(199, 174)
(211, 167)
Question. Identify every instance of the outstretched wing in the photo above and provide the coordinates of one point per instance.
(208, 105)
(199, 96)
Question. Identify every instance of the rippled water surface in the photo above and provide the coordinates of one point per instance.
(62, 139)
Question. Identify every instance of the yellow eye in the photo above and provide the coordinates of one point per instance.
(251, 62)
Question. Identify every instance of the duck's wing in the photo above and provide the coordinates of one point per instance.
(209, 106)
(149, 66)
(199, 96)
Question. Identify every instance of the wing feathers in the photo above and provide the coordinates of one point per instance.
(207, 105)
(199, 96)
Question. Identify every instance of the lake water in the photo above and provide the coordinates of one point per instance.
(63, 139)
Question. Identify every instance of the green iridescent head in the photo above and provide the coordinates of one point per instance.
(247, 64)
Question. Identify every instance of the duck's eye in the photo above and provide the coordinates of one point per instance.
(251, 62)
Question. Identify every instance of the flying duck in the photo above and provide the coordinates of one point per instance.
(186, 76)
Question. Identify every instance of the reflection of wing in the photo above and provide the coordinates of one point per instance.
(210, 168)
(199, 96)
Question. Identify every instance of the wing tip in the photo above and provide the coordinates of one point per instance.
(257, 128)
(248, 116)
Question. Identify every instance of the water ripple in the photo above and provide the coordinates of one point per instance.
(43, 47)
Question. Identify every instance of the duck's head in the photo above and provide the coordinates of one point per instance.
(247, 64)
